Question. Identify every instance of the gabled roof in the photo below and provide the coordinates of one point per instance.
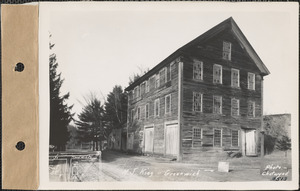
(227, 24)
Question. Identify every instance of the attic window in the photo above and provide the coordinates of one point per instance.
(226, 50)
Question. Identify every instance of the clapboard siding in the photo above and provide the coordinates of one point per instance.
(135, 126)
(210, 53)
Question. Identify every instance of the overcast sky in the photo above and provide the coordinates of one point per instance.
(99, 49)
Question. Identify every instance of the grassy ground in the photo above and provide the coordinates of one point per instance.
(156, 168)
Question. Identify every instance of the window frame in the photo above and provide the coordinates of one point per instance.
(158, 109)
(139, 113)
(238, 107)
(197, 139)
(221, 104)
(170, 104)
(238, 78)
(157, 81)
(226, 51)
(132, 115)
(171, 65)
(201, 101)
(201, 70)
(147, 86)
(143, 84)
(253, 110)
(221, 137)
(238, 138)
(147, 111)
(221, 73)
(253, 78)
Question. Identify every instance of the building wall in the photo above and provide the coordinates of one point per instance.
(210, 53)
(137, 126)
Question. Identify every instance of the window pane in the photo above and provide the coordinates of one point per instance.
(197, 70)
(235, 106)
(235, 138)
(217, 138)
(227, 50)
(217, 107)
(217, 74)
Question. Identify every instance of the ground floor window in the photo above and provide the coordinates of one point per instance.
(197, 135)
(217, 137)
(234, 138)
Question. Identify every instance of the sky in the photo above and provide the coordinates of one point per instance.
(99, 48)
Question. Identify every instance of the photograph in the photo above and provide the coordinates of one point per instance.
(169, 92)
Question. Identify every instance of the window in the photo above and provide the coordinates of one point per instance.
(163, 76)
(132, 115)
(156, 107)
(197, 101)
(217, 138)
(251, 81)
(147, 111)
(217, 74)
(235, 78)
(152, 83)
(251, 109)
(226, 50)
(139, 113)
(168, 104)
(217, 104)
(234, 138)
(156, 81)
(147, 86)
(130, 96)
(235, 107)
(143, 88)
(198, 70)
(197, 136)
(137, 92)
(172, 70)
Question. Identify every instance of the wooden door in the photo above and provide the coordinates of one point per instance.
(250, 142)
(172, 140)
(149, 136)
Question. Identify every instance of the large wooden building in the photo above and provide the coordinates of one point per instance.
(202, 100)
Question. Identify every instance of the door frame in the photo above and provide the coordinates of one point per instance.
(173, 122)
(244, 141)
(149, 126)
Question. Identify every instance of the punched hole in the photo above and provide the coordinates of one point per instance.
(20, 145)
(19, 67)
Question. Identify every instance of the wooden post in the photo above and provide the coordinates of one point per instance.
(180, 70)
(262, 131)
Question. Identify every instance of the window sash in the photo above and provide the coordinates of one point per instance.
(235, 78)
(234, 138)
(198, 70)
(251, 81)
(251, 109)
(235, 107)
(156, 107)
(139, 113)
(217, 74)
(217, 137)
(162, 76)
(197, 101)
(226, 50)
(147, 111)
(157, 81)
(217, 104)
(168, 104)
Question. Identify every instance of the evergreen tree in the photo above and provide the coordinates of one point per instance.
(284, 144)
(90, 124)
(60, 112)
(116, 109)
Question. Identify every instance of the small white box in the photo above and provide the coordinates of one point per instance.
(223, 167)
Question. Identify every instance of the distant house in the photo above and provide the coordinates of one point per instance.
(202, 100)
